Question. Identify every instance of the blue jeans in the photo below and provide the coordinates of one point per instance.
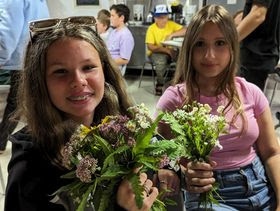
(245, 188)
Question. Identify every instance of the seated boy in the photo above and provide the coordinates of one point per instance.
(103, 24)
(120, 42)
(162, 29)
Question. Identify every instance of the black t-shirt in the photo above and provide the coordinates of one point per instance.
(263, 42)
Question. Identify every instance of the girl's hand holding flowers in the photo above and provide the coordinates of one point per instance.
(198, 130)
(101, 157)
(199, 176)
(126, 196)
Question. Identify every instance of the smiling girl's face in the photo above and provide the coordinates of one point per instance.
(75, 79)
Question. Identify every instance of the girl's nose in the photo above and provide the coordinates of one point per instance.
(78, 80)
(210, 53)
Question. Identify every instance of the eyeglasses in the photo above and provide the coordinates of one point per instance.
(48, 24)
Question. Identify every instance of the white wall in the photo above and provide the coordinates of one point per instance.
(66, 8)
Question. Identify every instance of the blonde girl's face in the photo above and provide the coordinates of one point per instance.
(74, 78)
(211, 52)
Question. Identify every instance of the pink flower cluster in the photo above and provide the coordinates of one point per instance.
(114, 128)
(122, 130)
(76, 142)
(86, 168)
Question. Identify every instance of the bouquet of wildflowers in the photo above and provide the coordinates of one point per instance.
(101, 157)
(198, 130)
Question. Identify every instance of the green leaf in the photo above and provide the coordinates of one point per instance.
(68, 187)
(74, 160)
(91, 189)
(169, 147)
(137, 189)
(70, 175)
(143, 141)
(96, 198)
(175, 126)
(114, 171)
(109, 159)
(106, 195)
(107, 149)
(158, 205)
(149, 165)
(170, 202)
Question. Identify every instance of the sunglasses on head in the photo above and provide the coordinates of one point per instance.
(48, 24)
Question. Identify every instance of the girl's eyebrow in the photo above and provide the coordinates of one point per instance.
(217, 38)
(62, 63)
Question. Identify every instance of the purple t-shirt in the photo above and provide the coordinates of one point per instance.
(237, 150)
(120, 43)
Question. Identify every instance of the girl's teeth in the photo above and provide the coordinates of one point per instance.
(79, 98)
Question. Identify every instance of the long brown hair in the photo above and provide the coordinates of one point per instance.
(185, 71)
(48, 125)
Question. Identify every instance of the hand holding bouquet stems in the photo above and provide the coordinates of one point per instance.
(199, 176)
(101, 157)
(126, 196)
(198, 130)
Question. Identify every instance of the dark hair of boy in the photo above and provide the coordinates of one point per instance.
(121, 9)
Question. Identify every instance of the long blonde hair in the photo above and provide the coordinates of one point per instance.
(185, 71)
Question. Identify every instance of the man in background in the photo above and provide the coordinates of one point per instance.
(259, 33)
(161, 30)
(14, 35)
(120, 41)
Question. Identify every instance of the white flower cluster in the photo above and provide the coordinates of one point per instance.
(141, 117)
(201, 128)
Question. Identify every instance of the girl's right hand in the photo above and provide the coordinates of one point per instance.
(199, 176)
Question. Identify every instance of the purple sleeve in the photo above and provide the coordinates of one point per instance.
(126, 45)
